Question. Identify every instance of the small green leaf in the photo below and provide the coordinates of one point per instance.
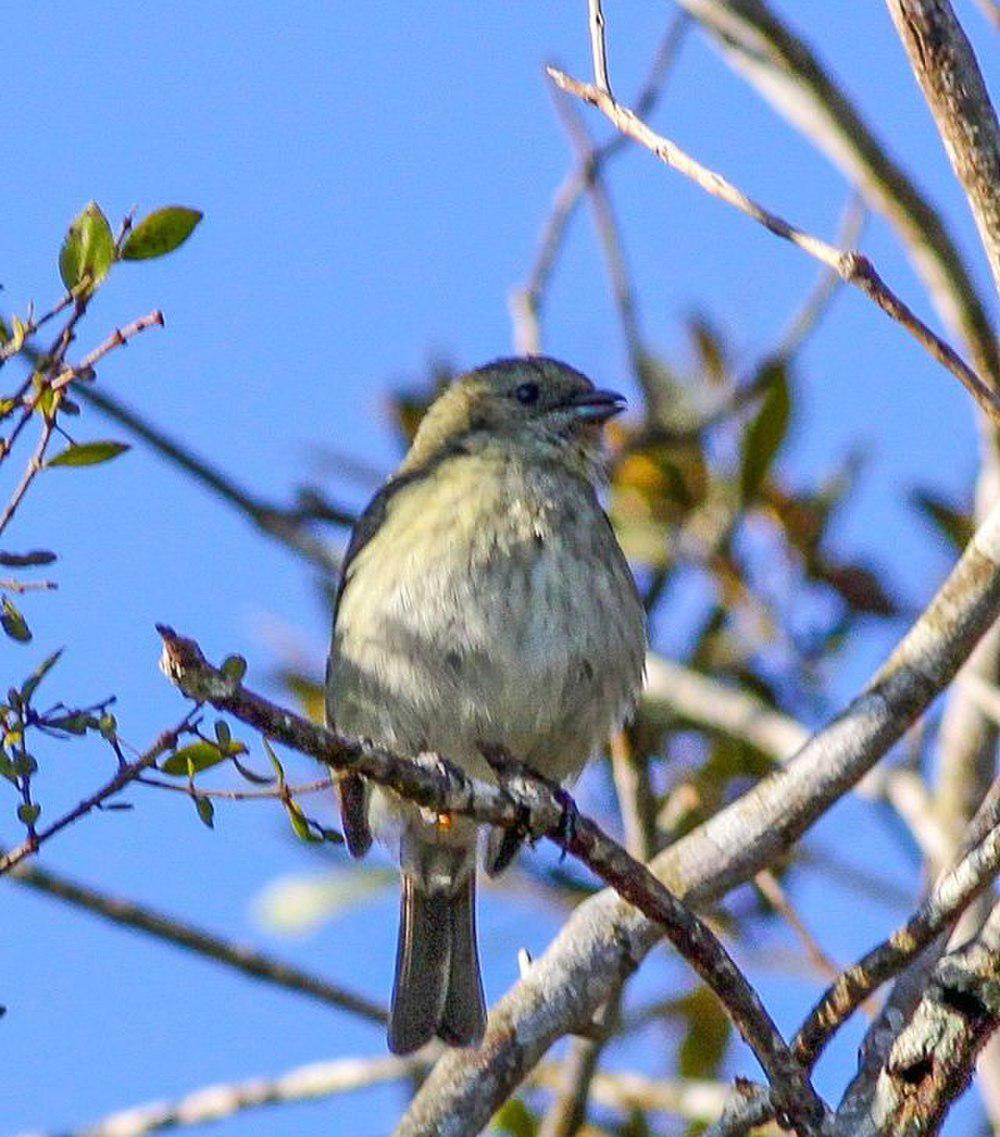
(514, 1118)
(251, 776)
(278, 768)
(300, 826)
(234, 667)
(71, 724)
(107, 724)
(13, 623)
(767, 431)
(206, 811)
(28, 814)
(89, 454)
(222, 734)
(955, 524)
(160, 233)
(26, 560)
(88, 250)
(193, 759)
(30, 685)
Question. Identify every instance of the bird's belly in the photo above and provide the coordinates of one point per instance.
(512, 656)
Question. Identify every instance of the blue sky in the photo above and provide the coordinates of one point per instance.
(374, 178)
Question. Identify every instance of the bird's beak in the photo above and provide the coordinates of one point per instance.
(596, 405)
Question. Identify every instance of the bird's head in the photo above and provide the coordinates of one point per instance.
(537, 405)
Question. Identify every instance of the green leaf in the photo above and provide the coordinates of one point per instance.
(193, 759)
(206, 811)
(234, 667)
(107, 724)
(514, 1118)
(28, 814)
(89, 454)
(71, 724)
(88, 250)
(704, 1045)
(222, 734)
(13, 623)
(300, 826)
(160, 233)
(767, 431)
(30, 685)
(955, 524)
(26, 560)
(279, 770)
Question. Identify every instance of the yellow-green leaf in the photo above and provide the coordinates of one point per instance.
(767, 431)
(160, 233)
(89, 454)
(193, 759)
(88, 250)
(13, 623)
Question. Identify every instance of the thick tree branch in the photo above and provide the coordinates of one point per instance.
(931, 1061)
(946, 69)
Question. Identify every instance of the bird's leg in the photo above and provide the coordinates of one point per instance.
(509, 771)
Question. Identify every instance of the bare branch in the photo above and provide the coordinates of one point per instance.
(790, 76)
(932, 1059)
(853, 267)
(598, 48)
(124, 776)
(173, 931)
(946, 69)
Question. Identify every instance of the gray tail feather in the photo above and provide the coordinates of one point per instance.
(438, 988)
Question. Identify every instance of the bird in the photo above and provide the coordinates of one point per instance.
(484, 603)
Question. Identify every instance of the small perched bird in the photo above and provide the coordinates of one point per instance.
(485, 603)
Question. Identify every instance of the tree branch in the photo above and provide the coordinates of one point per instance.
(605, 939)
(790, 76)
(173, 931)
(946, 69)
(523, 800)
(853, 267)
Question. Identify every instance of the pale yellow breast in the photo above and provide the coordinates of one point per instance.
(492, 605)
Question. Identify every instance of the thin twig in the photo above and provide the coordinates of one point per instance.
(818, 300)
(853, 267)
(36, 464)
(118, 338)
(609, 234)
(174, 931)
(526, 301)
(790, 76)
(123, 777)
(273, 521)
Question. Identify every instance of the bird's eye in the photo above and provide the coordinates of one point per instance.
(526, 393)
